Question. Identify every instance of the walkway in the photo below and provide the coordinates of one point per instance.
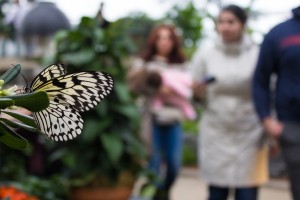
(190, 187)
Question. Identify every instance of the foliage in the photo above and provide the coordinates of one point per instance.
(12, 162)
(15, 171)
(136, 27)
(191, 131)
(52, 188)
(189, 20)
(8, 99)
(189, 155)
(109, 147)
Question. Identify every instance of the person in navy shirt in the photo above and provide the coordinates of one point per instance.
(280, 56)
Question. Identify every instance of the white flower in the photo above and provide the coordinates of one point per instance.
(1, 83)
(10, 91)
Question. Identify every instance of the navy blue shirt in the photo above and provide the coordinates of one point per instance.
(279, 54)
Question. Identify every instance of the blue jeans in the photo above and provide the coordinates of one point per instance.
(166, 149)
(221, 193)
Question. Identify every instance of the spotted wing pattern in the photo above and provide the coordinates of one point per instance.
(69, 94)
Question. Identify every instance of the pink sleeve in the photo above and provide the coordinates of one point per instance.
(180, 82)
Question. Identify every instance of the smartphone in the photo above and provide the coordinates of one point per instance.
(208, 80)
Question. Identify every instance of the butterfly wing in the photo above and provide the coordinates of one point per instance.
(50, 72)
(69, 95)
(83, 90)
(59, 122)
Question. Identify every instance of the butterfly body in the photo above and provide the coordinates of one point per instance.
(69, 94)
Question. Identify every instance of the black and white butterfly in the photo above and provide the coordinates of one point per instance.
(69, 94)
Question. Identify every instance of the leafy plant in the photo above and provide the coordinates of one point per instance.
(108, 151)
(34, 188)
(8, 99)
(52, 188)
(189, 20)
(136, 28)
(17, 183)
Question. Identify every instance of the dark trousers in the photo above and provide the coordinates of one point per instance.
(221, 193)
(166, 149)
(290, 146)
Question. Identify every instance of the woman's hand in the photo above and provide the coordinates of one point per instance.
(273, 127)
(199, 91)
(165, 91)
(274, 148)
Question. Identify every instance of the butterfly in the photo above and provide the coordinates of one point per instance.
(69, 95)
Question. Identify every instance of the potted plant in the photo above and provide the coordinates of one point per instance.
(108, 153)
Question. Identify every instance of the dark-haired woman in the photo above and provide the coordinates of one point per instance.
(233, 154)
(163, 52)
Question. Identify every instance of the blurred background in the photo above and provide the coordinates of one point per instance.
(265, 14)
(107, 36)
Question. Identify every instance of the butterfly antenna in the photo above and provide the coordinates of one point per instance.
(26, 86)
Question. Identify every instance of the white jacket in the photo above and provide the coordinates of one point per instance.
(231, 147)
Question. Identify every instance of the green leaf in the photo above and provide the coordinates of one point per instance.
(15, 124)
(11, 138)
(34, 102)
(113, 146)
(135, 147)
(87, 23)
(130, 111)
(10, 74)
(148, 191)
(28, 120)
(94, 127)
(79, 58)
(122, 92)
(5, 102)
(60, 35)
(102, 109)
(80, 182)
(98, 36)
(69, 160)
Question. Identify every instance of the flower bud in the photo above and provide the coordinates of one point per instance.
(1, 83)
(10, 91)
